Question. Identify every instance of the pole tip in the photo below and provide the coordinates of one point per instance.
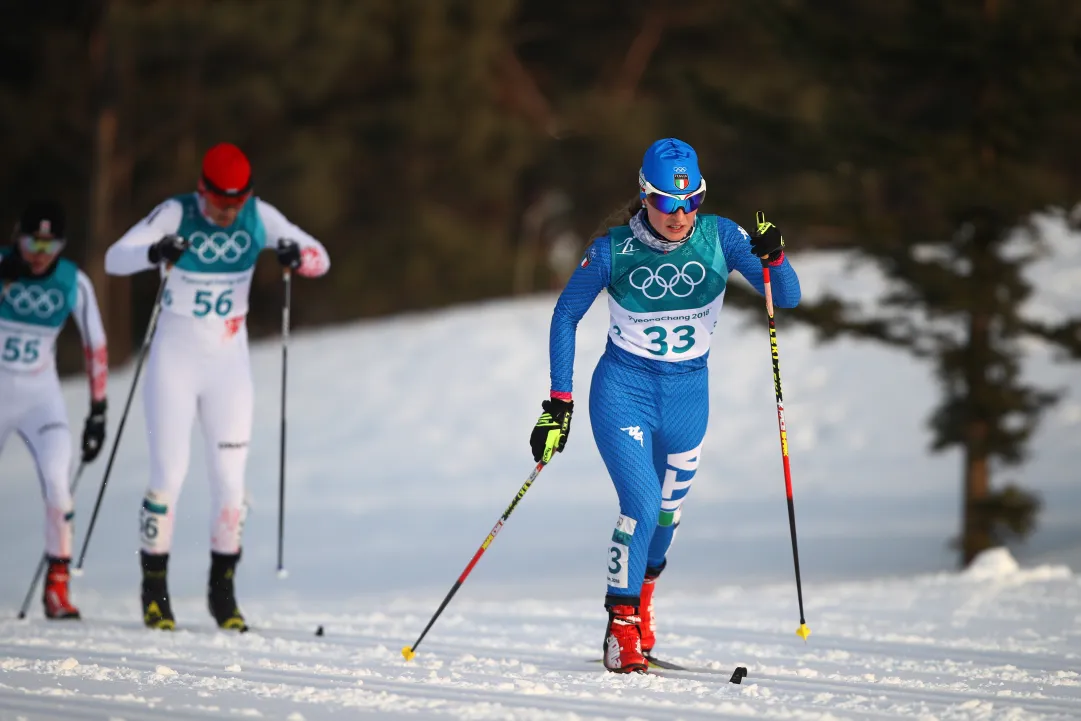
(76, 571)
(282, 573)
(22, 615)
(408, 653)
(803, 632)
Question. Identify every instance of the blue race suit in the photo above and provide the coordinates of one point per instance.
(649, 401)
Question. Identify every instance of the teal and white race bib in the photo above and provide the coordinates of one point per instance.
(213, 277)
(664, 305)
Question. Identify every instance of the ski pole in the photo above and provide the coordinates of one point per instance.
(45, 556)
(803, 632)
(286, 302)
(150, 328)
(410, 651)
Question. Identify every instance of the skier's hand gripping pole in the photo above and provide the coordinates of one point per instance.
(409, 652)
(553, 429)
(763, 230)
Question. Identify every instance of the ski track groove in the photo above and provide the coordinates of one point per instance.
(1034, 661)
(1058, 704)
(547, 661)
(736, 635)
(824, 667)
(43, 708)
(607, 707)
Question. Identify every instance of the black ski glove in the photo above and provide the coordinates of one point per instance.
(12, 266)
(288, 253)
(767, 242)
(94, 431)
(549, 436)
(168, 250)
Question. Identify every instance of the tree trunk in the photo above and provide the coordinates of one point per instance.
(976, 533)
(638, 55)
(976, 530)
(113, 293)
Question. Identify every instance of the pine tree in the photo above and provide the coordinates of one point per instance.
(951, 124)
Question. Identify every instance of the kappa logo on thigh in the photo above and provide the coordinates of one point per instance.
(635, 432)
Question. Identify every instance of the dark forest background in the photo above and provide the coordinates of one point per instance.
(451, 150)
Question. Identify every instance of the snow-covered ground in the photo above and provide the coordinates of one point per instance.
(408, 437)
(1001, 643)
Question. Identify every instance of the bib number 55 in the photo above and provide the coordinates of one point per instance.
(206, 302)
(16, 349)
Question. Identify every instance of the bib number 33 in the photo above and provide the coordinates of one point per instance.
(681, 339)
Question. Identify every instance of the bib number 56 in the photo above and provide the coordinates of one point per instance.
(205, 302)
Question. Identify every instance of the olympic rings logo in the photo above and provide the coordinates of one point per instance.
(220, 246)
(655, 284)
(679, 169)
(33, 299)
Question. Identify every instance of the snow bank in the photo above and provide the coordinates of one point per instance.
(998, 564)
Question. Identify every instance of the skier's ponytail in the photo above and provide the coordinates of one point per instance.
(620, 216)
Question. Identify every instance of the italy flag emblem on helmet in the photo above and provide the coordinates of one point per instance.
(671, 166)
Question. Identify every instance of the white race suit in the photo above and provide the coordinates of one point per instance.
(33, 309)
(198, 362)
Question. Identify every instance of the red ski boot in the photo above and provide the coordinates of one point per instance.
(623, 641)
(649, 631)
(57, 603)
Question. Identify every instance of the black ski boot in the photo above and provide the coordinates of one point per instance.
(157, 611)
(221, 596)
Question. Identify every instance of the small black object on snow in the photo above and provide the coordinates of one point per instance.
(738, 675)
(319, 631)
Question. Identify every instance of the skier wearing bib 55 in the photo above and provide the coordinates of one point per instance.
(665, 272)
(206, 244)
(38, 291)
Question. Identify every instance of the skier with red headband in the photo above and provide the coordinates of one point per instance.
(205, 245)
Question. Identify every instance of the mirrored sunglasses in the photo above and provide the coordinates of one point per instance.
(668, 203)
(32, 244)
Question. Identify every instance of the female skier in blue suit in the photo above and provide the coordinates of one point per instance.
(665, 272)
